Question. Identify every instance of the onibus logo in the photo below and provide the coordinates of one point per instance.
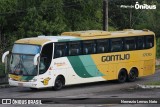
(139, 6)
(144, 6)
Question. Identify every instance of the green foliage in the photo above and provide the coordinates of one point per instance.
(7, 23)
(2, 70)
(153, 83)
(46, 19)
(83, 14)
(149, 19)
(158, 48)
(29, 18)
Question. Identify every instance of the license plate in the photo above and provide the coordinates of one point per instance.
(20, 84)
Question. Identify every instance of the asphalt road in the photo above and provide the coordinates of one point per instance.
(108, 89)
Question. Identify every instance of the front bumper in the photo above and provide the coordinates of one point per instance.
(23, 84)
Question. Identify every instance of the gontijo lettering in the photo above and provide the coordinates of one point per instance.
(115, 57)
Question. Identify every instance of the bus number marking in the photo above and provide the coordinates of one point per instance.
(147, 54)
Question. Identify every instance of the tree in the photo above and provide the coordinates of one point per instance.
(28, 18)
(47, 18)
(7, 22)
(150, 19)
(158, 48)
(83, 14)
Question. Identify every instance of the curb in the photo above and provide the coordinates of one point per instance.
(148, 86)
(5, 86)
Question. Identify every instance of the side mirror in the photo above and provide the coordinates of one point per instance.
(36, 59)
(4, 56)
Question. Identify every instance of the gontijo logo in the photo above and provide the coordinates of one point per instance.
(117, 57)
(144, 6)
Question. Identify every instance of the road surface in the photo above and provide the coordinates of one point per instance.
(108, 89)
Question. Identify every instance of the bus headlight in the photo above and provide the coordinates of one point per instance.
(33, 80)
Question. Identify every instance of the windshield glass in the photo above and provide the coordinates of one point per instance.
(26, 49)
(22, 65)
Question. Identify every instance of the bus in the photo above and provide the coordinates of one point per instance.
(81, 57)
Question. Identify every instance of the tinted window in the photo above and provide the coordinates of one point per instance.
(46, 56)
(149, 41)
(102, 46)
(89, 47)
(60, 50)
(140, 42)
(26, 49)
(74, 48)
(129, 44)
(116, 45)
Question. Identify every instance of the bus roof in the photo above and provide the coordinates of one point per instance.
(40, 40)
(97, 34)
(83, 35)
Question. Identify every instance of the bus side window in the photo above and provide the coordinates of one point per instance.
(102, 46)
(60, 50)
(74, 48)
(89, 47)
(129, 44)
(149, 41)
(46, 57)
(116, 45)
(140, 42)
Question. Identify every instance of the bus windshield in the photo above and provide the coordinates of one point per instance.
(26, 49)
(21, 62)
(22, 65)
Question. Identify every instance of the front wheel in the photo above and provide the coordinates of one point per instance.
(122, 76)
(58, 84)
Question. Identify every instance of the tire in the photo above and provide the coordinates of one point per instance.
(122, 76)
(132, 75)
(59, 83)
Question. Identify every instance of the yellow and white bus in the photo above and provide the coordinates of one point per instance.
(81, 57)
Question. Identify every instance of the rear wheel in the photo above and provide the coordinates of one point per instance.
(122, 76)
(132, 75)
(59, 83)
